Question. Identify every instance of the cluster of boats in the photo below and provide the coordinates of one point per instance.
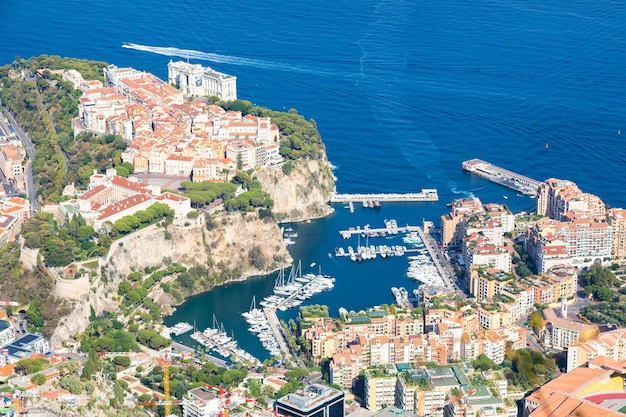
(180, 328)
(413, 239)
(294, 290)
(260, 325)
(402, 296)
(423, 269)
(371, 204)
(363, 253)
(391, 226)
(215, 339)
(289, 235)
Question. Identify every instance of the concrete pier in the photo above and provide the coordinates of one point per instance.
(425, 195)
(502, 176)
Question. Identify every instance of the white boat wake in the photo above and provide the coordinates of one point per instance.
(222, 59)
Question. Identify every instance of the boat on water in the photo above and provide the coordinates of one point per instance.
(506, 197)
(365, 204)
(288, 241)
(180, 328)
(312, 264)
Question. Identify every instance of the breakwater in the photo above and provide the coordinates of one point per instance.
(504, 177)
(429, 194)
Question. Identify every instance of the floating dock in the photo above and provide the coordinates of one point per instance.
(425, 195)
(502, 176)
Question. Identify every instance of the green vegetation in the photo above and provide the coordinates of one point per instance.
(607, 312)
(30, 366)
(312, 311)
(527, 368)
(45, 108)
(77, 241)
(185, 378)
(599, 281)
(204, 193)
(32, 288)
(535, 321)
(525, 266)
(107, 334)
(142, 218)
(483, 363)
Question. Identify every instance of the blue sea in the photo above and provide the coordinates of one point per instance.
(402, 93)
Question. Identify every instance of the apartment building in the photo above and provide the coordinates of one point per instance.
(560, 332)
(610, 344)
(479, 251)
(13, 212)
(345, 367)
(557, 197)
(485, 283)
(616, 218)
(11, 156)
(380, 387)
(452, 225)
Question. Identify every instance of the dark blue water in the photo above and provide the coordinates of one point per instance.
(402, 92)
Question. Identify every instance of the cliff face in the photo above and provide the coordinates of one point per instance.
(236, 246)
(303, 193)
(230, 243)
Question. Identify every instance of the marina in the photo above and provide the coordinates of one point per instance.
(428, 195)
(215, 339)
(501, 176)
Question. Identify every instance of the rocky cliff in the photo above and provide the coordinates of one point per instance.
(300, 189)
(233, 245)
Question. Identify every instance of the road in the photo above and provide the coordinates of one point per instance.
(30, 148)
(180, 348)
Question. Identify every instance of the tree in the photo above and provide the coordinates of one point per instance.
(123, 361)
(72, 384)
(85, 232)
(484, 363)
(38, 379)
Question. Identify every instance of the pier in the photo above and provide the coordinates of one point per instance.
(444, 268)
(285, 302)
(272, 319)
(504, 177)
(425, 195)
(390, 229)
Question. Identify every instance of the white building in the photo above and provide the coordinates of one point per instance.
(202, 403)
(196, 80)
(113, 74)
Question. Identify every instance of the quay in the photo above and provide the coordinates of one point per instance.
(504, 177)
(429, 194)
(272, 319)
(444, 268)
